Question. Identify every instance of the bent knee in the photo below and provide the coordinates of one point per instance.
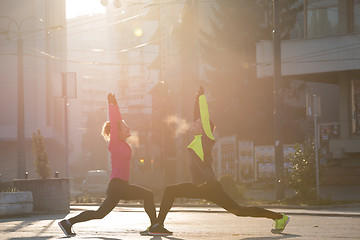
(100, 214)
(170, 191)
(148, 195)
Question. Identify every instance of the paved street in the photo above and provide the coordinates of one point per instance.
(189, 223)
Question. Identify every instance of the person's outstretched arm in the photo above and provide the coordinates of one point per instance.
(114, 116)
(201, 111)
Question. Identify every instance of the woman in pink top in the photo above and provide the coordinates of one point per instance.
(115, 131)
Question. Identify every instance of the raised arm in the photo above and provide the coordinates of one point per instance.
(114, 115)
(201, 111)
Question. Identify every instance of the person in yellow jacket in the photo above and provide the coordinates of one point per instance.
(204, 183)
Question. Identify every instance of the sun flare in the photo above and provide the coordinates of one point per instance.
(76, 8)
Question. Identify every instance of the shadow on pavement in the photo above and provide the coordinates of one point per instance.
(170, 238)
(33, 217)
(32, 238)
(104, 238)
(279, 236)
(29, 220)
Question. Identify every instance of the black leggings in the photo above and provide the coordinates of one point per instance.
(212, 192)
(117, 190)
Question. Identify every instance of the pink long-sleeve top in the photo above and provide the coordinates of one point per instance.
(120, 150)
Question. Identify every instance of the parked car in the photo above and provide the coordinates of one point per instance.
(96, 181)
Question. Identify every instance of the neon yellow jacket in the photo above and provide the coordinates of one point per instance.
(196, 145)
(200, 148)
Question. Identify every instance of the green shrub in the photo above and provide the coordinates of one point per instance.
(41, 159)
(10, 190)
(302, 174)
(6, 187)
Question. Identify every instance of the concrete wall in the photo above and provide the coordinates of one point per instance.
(50, 195)
(13, 203)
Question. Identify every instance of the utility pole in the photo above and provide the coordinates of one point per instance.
(313, 108)
(278, 98)
(69, 91)
(66, 126)
(21, 168)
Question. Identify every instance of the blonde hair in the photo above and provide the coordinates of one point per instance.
(106, 131)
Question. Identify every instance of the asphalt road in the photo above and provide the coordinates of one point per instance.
(189, 223)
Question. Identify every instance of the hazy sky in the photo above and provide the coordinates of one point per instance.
(75, 8)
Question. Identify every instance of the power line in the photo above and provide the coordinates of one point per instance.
(313, 54)
(310, 61)
(324, 52)
(323, 60)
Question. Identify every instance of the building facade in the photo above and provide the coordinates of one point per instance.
(324, 48)
(31, 32)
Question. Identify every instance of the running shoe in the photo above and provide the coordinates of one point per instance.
(145, 232)
(65, 225)
(280, 224)
(158, 230)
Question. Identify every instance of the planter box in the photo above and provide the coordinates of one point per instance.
(14, 203)
(50, 195)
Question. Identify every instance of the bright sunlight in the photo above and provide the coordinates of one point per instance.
(76, 8)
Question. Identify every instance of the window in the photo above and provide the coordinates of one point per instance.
(356, 13)
(356, 106)
(322, 18)
(298, 29)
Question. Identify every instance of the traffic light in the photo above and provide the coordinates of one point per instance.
(141, 165)
(152, 164)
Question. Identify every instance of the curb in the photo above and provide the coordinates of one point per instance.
(313, 211)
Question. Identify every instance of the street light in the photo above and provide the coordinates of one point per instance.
(21, 164)
(278, 101)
